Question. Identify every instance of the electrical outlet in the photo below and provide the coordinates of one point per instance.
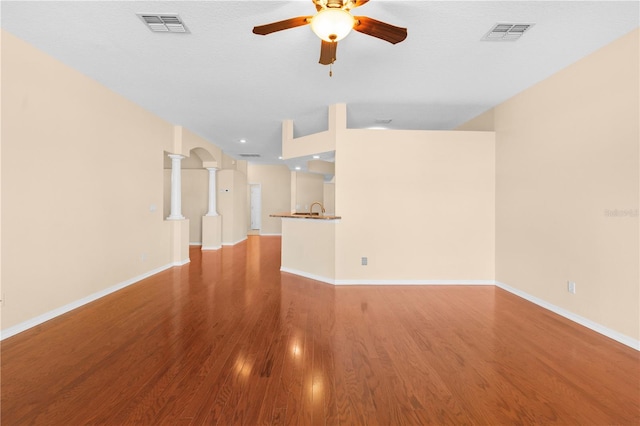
(571, 287)
(144, 257)
(364, 261)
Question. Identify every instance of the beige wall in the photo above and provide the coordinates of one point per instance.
(306, 188)
(567, 156)
(315, 143)
(195, 183)
(228, 163)
(483, 122)
(242, 166)
(329, 198)
(232, 205)
(82, 185)
(308, 248)
(195, 200)
(321, 166)
(194, 146)
(275, 182)
(166, 193)
(424, 213)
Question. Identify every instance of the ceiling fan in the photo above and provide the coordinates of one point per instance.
(333, 22)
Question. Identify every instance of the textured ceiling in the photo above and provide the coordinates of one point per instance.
(225, 83)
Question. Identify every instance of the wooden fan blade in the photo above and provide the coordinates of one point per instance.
(282, 25)
(352, 4)
(379, 29)
(328, 52)
(358, 3)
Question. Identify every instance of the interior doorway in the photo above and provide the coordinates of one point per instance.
(255, 205)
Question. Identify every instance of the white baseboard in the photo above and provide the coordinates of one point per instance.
(211, 247)
(592, 325)
(414, 282)
(25, 325)
(237, 242)
(195, 243)
(385, 282)
(308, 275)
(271, 235)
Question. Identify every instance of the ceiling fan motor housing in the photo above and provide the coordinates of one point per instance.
(334, 4)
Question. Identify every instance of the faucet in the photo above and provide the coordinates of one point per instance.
(318, 203)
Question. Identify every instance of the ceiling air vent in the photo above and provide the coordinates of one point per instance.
(165, 23)
(506, 32)
(250, 155)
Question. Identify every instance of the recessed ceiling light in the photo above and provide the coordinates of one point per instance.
(316, 156)
(280, 158)
(243, 141)
(297, 167)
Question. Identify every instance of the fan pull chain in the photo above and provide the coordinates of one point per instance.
(331, 67)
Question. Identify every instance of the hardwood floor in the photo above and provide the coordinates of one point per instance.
(228, 339)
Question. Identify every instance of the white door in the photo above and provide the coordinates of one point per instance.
(256, 205)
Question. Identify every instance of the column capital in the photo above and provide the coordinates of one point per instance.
(176, 156)
(212, 169)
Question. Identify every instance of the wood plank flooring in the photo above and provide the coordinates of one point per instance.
(228, 339)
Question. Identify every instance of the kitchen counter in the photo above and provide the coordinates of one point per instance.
(315, 216)
(309, 245)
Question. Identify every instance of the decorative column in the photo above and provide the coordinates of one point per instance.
(212, 192)
(176, 188)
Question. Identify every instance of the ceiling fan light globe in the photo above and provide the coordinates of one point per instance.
(332, 24)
